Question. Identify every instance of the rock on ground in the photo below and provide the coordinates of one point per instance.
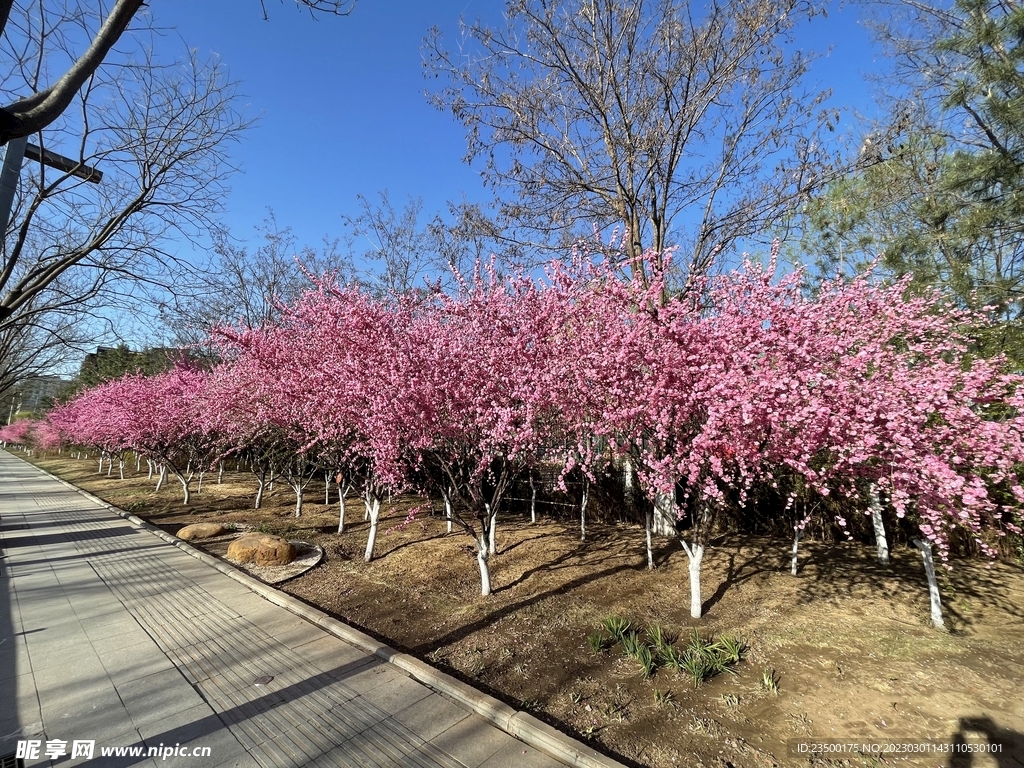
(200, 531)
(261, 549)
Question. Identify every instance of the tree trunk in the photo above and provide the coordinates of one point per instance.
(933, 584)
(297, 486)
(327, 488)
(875, 505)
(664, 522)
(187, 491)
(101, 465)
(628, 484)
(448, 510)
(492, 518)
(138, 463)
(481, 560)
(220, 472)
(372, 502)
(583, 509)
(160, 478)
(199, 488)
(149, 466)
(120, 468)
(110, 465)
(695, 555)
(261, 481)
(796, 544)
(533, 499)
(648, 515)
(341, 510)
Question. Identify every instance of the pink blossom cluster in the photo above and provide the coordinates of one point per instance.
(742, 379)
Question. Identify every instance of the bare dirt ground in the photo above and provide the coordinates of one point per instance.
(849, 642)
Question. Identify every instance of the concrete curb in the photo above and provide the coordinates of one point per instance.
(520, 725)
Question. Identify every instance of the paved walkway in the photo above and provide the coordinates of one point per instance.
(109, 634)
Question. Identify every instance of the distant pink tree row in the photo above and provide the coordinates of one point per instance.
(741, 380)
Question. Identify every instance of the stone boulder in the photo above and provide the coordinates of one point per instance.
(261, 549)
(200, 531)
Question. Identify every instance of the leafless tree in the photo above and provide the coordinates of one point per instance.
(400, 251)
(85, 34)
(159, 133)
(245, 286)
(689, 126)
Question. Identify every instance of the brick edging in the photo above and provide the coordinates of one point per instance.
(520, 725)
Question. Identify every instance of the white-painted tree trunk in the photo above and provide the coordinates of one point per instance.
(492, 518)
(161, 477)
(583, 509)
(220, 472)
(875, 505)
(481, 560)
(664, 517)
(149, 466)
(199, 488)
(261, 482)
(533, 499)
(120, 468)
(648, 517)
(448, 511)
(796, 544)
(341, 510)
(185, 481)
(138, 463)
(372, 502)
(628, 484)
(110, 465)
(327, 487)
(297, 486)
(695, 554)
(101, 465)
(933, 583)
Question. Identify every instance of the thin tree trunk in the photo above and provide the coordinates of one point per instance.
(120, 468)
(493, 525)
(220, 472)
(149, 466)
(372, 502)
(875, 505)
(796, 544)
(583, 509)
(138, 463)
(110, 465)
(327, 487)
(261, 481)
(185, 483)
(199, 488)
(648, 515)
(933, 584)
(482, 556)
(627, 482)
(533, 499)
(101, 465)
(695, 555)
(161, 477)
(341, 509)
(447, 510)
(297, 486)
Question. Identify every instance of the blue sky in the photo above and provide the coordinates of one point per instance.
(342, 110)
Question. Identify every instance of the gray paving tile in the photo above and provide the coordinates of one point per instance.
(431, 716)
(396, 694)
(472, 741)
(519, 755)
(154, 697)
